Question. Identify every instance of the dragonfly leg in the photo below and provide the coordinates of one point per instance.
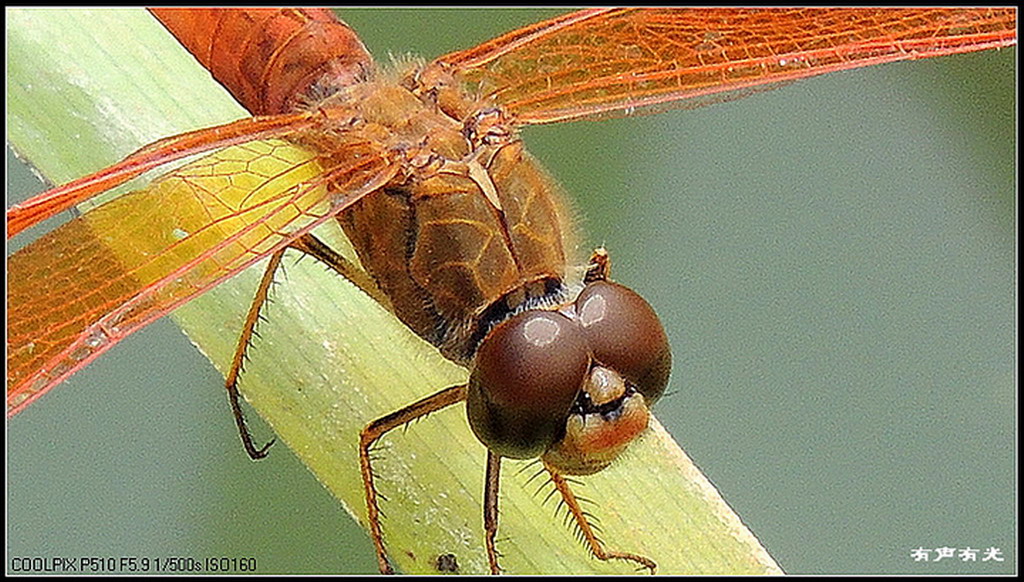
(317, 249)
(491, 509)
(377, 429)
(309, 245)
(231, 382)
(596, 547)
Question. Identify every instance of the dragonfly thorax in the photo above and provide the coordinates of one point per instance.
(469, 224)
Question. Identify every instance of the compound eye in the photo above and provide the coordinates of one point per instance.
(625, 334)
(525, 379)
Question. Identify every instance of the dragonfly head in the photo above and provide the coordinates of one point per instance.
(573, 385)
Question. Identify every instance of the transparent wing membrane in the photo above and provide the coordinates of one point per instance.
(84, 286)
(609, 62)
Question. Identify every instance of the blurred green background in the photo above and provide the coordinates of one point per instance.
(834, 263)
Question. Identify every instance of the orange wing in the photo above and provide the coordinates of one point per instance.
(85, 286)
(605, 62)
(57, 200)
